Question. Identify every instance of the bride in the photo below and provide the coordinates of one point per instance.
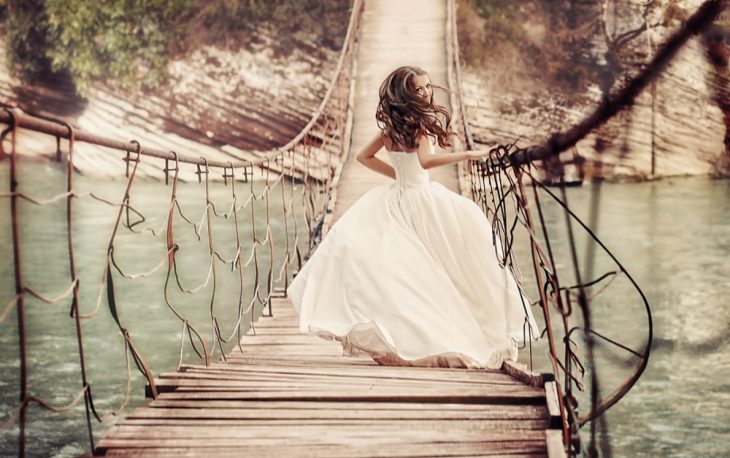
(408, 275)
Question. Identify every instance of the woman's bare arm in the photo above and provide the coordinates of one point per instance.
(366, 156)
(429, 161)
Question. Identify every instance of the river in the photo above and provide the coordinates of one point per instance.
(672, 236)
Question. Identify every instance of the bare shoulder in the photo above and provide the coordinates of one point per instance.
(379, 139)
(387, 142)
(424, 151)
(425, 142)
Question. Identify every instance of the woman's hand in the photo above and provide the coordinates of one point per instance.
(480, 153)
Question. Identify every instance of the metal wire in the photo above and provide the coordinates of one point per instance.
(305, 165)
(498, 182)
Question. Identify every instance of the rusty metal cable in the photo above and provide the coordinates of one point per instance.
(304, 170)
(497, 184)
(303, 167)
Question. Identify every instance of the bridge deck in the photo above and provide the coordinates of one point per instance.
(290, 394)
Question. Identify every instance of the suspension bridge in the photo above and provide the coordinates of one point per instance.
(281, 393)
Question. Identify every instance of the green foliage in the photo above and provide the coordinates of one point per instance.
(125, 40)
(129, 42)
(570, 63)
(559, 52)
(295, 23)
(25, 38)
(490, 31)
(503, 21)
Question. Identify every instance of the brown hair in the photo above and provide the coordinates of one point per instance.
(403, 115)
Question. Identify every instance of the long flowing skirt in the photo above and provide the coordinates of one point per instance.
(410, 277)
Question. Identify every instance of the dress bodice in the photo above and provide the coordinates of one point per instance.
(408, 170)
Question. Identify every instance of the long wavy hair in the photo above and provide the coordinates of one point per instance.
(403, 115)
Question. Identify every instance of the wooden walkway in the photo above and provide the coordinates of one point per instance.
(392, 34)
(294, 395)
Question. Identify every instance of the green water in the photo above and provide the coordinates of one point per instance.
(53, 360)
(673, 236)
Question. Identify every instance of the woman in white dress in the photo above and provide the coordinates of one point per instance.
(408, 275)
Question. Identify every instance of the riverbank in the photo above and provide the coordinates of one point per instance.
(220, 102)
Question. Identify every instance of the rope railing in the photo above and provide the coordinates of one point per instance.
(499, 185)
(282, 195)
(240, 237)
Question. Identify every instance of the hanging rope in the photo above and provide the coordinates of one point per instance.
(303, 171)
(498, 185)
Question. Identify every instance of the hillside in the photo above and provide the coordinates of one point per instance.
(253, 88)
(539, 68)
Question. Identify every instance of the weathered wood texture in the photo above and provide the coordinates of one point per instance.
(290, 394)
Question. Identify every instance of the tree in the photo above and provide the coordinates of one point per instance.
(129, 42)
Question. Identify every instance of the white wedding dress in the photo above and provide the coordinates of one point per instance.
(409, 276)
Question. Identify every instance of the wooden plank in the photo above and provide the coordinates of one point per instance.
(355, 370)
(190, 379)
(401, 372)
(313, 350)
(271, 328)
(553, 404)
(281, 308)
(554, 441)
(292, 339)
(345, 434)
(514, 397)
(282, 355)
(361, 371)
(371, 385)
(283, 360)
(200, 413)
(332, 407)
(262, 344)
(276, 323)
(274, 331)
(345, 378)
(317, 347)
(324, 423)
(522, 373)
(284, 315)
(253, 380)
(433, 449)
(376, 388)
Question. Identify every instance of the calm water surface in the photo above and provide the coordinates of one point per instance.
(672, 236)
